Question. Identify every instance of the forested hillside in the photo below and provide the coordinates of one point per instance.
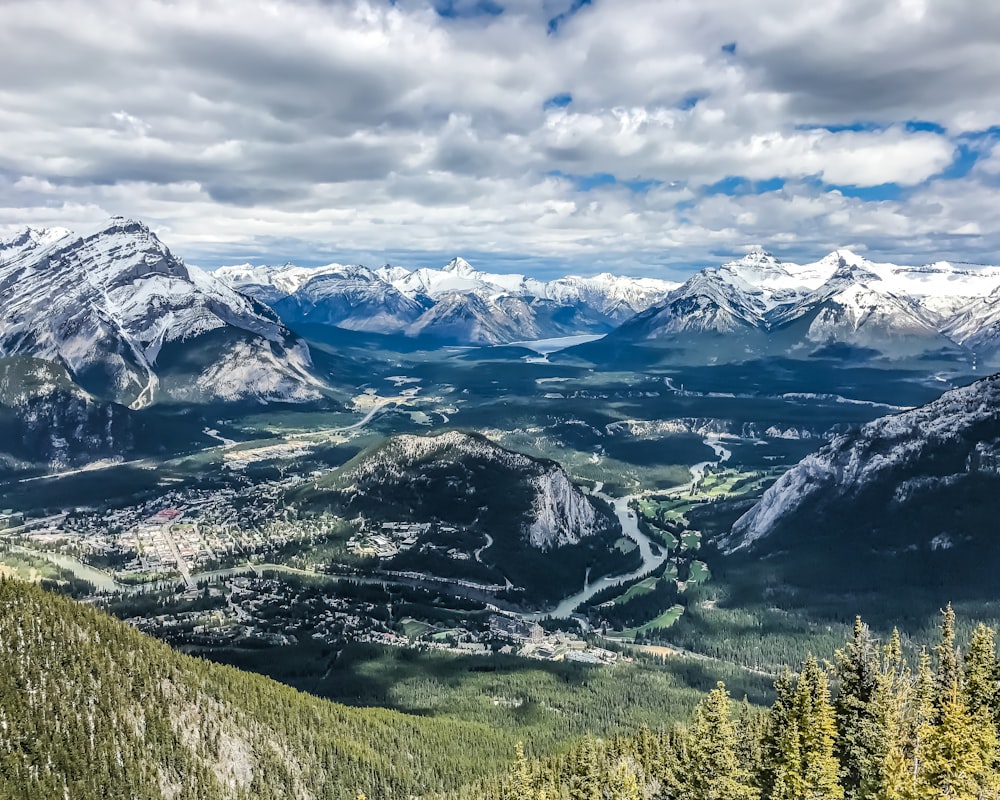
(91, 708)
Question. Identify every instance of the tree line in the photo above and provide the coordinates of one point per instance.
(868, 726)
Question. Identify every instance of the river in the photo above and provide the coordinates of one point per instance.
(630, 528)
(565, 608)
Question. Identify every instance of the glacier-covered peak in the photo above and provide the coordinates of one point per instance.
(460, 266)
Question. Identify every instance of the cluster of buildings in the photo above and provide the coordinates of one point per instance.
(9, 518)
(186, 530)
(386, 540)
(535, 642)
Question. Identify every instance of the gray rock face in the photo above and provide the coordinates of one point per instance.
(895, 458)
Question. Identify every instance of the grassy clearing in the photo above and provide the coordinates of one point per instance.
(414, 628)
(698, 572)
(645, 587)
(691, 540)
(664, 620)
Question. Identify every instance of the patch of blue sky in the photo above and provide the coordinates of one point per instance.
(556, 21)
(872, 126)
(729, 47)
(558, 101)
(596, 180)
(738, 185)
(871, 194)
(690, 101)
(463, 9)
(857, 126)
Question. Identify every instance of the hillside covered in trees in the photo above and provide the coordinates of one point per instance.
(90, 708)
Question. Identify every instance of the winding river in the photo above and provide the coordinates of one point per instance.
(630, 528)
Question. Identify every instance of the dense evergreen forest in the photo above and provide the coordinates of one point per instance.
(90, 708)
(890, 731)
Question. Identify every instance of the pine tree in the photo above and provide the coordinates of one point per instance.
(896, 703)
(981, 673)
(713, 770)
(953, 766)
(777, 758)
(818, 730)
(861, 719)
(948, 674)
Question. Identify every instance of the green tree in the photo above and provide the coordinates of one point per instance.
(713, 769)
(862, 735)
(981, 672)
(818, 731)
(953, 765)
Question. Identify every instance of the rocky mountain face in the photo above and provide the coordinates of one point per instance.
(926, 479)
(460, 477)
(48, 421)
(457, 303)
(131, 323)
(487, 514)
(843, 299)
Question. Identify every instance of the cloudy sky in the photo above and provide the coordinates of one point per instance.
(547, 136)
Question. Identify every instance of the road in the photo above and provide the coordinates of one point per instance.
(489, 543)
(182, 566)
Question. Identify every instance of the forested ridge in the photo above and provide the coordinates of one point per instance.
(90, 708)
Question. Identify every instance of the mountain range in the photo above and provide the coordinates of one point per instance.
(456, 303)
(843, 303)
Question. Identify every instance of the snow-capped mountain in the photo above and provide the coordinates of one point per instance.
(843, 298)
(916, 475)
(455, 303)
(132, 323)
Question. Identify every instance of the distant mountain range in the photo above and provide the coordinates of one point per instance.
(129, 322)
(841, 304)
(457, 303)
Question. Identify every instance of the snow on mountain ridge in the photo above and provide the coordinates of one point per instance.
(104, 305)
(456, 302)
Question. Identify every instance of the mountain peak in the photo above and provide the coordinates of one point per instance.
(844, 257)
(459, 266)
(119, 224)
(756, 254)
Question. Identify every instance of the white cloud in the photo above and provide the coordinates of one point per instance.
(367, 127)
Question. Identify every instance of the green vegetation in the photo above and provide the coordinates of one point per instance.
(543, 704)
(641, 588)
(927, 731)
(94, 709)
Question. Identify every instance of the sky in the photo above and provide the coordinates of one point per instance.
(644, 137)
